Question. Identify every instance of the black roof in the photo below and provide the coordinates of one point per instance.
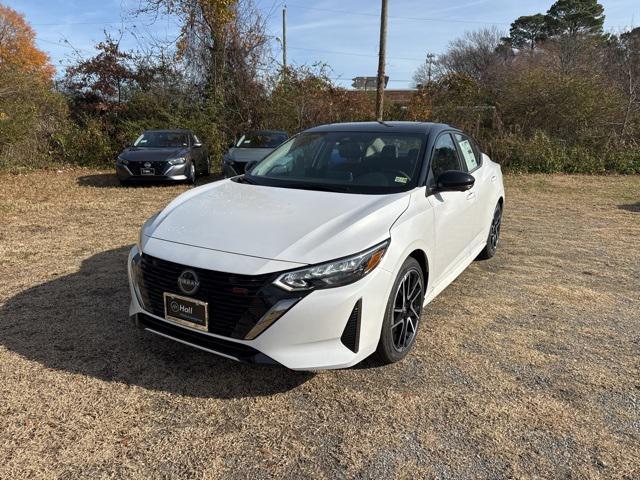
(399, 127)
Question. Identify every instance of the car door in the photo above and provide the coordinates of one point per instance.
(454, 212)
(471, 158)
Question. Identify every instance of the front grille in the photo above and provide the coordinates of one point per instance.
(235, 302)
(351, 335)
(160, 166)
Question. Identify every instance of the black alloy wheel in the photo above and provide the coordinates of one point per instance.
(494, 235)
(404, 308)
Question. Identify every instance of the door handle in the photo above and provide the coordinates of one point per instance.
(471, 195)
(493, 179)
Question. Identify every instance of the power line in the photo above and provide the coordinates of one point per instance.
(138, 20)
(417, 19)
(423, 19)
(354, 54)
(66, 45)
(82, 23)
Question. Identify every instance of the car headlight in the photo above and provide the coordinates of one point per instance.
(177, 161)
(143, 230)
(122, 161)
(335, 273)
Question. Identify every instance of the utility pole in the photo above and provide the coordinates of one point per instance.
(381, 61)
(430, 59)
(284, 38)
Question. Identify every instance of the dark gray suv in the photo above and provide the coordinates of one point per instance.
(175, 155)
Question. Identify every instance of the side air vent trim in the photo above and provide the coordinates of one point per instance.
(351, 335)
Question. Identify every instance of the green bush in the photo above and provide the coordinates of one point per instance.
(92, 140)
(541, 154)
(88, 143)
(625, 161)
(32, 118)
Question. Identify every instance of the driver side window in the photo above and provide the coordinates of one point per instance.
(292, 159)
(445, 156)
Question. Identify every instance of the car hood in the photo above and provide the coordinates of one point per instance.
(300, 226)
(152, 154)
(248, 154)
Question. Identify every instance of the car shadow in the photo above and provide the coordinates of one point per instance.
(109, 180)
(79, 323)
(630, 207)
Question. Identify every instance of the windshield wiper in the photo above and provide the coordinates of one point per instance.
(316, 186)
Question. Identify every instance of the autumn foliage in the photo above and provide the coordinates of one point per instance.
(32, 115)
(17, 46)
(558, 95)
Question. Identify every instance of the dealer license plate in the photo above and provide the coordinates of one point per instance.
(186, 311)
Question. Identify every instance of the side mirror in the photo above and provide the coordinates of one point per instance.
(454, 181)
(231, 145)
(249, 166)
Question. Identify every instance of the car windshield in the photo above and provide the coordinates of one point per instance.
(162, 140)
(261, 140)
(351, 162)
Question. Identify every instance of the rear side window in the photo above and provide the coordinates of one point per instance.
(445, 156)
(470, 153)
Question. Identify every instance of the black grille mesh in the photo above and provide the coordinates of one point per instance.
(159, 165)
(235, 302)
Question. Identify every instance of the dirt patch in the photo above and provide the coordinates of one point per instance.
(528, 365)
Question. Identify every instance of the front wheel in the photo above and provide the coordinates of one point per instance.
(207, 170)
(191, 176)
(494, 235)
(402, 318)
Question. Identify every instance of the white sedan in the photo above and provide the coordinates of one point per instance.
(323, 253)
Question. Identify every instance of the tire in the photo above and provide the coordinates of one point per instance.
(401, 322)
(494, 235)
(207, 170)
(191, 178)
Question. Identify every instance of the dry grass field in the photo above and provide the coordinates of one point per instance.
(527, 366)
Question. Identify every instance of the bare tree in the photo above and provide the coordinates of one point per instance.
(474, 54)
(429, 71)
(623, 65)
(223, 46)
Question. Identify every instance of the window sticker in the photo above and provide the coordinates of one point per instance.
(469, 155)
(402, 179)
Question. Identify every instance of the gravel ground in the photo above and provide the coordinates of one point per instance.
(527, 366)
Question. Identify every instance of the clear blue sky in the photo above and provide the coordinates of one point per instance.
(343, 34)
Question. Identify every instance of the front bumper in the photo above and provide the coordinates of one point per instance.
(309, 336)
(168, 172)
